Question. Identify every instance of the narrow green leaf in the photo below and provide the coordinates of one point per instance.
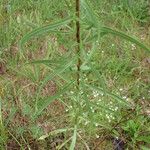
(43, 30)
(83, 141)
(58, 71)
(48, 63)
(124, 36)
(74, 137)
(105, 30)
(61, 61)
(89, 13)
(60, 147)
(55, 132)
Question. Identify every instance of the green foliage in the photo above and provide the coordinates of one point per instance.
(74, 137)
(139, 10)
(92, 22)
(111, 73)
(133, 129)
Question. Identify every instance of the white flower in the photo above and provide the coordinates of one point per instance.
(71, 92)
(116, 108)
(96, 124)
(120, 89)
(124, 97)
(93, 110)
(86, 123)
(95, 94)
(133, 46)
(107, 116)
(99, 100)
(102, 94)
(110, 102)
(109, 120)
(128, 99)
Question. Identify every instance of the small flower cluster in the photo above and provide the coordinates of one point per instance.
(96, 94)
(133, 47)
(110, 117)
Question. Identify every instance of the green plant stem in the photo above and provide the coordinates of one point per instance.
(78, 41)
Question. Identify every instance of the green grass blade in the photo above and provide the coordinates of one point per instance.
(45, 62)
(1, 122)
(74, 137)
(83, 141)
(11, 115)
(60, 147)
(124, 36)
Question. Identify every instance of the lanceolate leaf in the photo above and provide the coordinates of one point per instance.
(89, 13)
(43, 30)
(55, 132)
(105, 30)
(48, 63)
(55, 61)
(58, 71)
(124, 36)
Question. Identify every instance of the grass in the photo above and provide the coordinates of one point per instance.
(50, 102)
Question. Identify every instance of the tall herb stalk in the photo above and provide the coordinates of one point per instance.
(86, 106)
(78, 41)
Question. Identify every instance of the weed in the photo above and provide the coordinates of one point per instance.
(95, 71)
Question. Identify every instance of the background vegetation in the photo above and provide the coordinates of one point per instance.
(41, 105)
